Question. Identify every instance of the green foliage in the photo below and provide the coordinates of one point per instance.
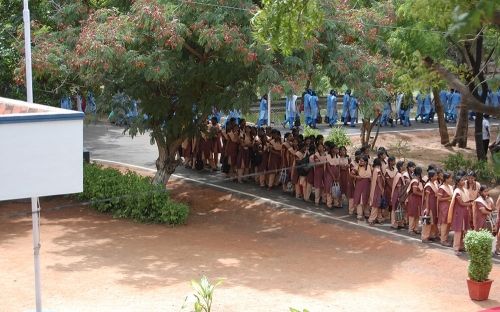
(130, 196)
(11, 24)
(478, 245)
(484, 170)
(286, 25)
(308, 131)
(338, 135)
(204, 293)
(455, 162)
(296, 310)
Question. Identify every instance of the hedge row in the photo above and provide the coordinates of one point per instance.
(130, 196)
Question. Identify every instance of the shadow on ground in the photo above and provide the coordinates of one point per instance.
(242, 241)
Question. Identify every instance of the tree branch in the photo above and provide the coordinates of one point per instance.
(468, 99)
(479, 52)
(194, 52)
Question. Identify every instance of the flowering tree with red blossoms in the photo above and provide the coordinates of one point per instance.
(180, 59)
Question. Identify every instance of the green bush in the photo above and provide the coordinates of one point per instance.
(479, 246)
(484, 170)
(457, 162)
(338, 135)
(130, 196)
(308, 131)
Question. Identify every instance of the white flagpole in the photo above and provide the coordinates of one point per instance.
(35, 214)
(27, 51)
(35, 207)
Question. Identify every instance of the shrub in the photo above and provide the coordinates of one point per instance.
(457, 162)
(130, 196)
(479, 246)
(339, 137)
(308, 131)
(485, 171)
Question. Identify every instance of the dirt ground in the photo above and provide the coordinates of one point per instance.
(269, 260)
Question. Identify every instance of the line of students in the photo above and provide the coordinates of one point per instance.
(375, 190)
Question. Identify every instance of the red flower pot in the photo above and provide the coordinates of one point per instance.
(479, 290)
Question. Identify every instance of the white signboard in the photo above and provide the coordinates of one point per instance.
(41, 150)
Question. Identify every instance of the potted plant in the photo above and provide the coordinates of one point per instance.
(478, 245)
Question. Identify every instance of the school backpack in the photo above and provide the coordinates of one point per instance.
(225, 165)
(255, 158)
(303, 166)
(318, 118)
(296, 124)
(198, 164)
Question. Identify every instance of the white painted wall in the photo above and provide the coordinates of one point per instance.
(41, 158)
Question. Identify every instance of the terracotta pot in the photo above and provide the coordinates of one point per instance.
(479, 290)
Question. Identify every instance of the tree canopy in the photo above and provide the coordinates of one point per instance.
(182, 59)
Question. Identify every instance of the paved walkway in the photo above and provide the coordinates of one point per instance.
(108, 143)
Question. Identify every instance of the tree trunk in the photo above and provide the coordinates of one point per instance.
(376, 136)
(443, 129)
(478, 136)
(462, 128)
(365, 125)
(366, 130)
(166, 161)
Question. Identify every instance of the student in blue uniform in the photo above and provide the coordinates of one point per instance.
(397, 111)
(307, 106)
(447, 110)
(66, 102)
(346, 100)
(496, 102)
(263, 112)
(406, 107)
(331, 108)
(428, 109)
(443, 97)
(420, 107)
(234, 114)
(400, 112)
(290, 110)
(494, 98)
(91, 107)
(314, 109)
(386, 113)
(353, 110)
(456, 98)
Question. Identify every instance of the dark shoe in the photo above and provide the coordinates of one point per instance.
(426, 241)
(446, 244)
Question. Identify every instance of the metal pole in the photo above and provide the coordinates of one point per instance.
(35, 207)
(269, 108)
(35, 214)
(27, 51)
